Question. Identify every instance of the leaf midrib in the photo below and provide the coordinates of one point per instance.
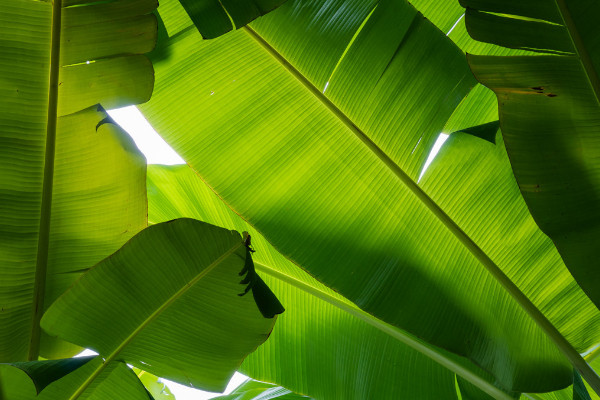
(388, 329)
(151, 318)
(41, 266)
(527, 305)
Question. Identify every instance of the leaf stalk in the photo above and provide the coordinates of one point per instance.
(41, 266)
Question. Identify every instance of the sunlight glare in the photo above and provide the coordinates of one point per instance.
(156, 150)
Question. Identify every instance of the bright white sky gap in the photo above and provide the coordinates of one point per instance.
(157, 151)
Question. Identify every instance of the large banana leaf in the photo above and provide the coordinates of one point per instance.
(71, 183)
(170, 301)
(329, 178)
(351, 354)
(549, 112)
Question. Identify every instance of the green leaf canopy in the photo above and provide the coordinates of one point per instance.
(167, 302)
(549, 111)
(72, 183)
(326, 176)
(255, 390)
(352, 354)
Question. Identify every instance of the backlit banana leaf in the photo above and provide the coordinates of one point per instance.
(549, 114)
(216, 17)
(328, 178)
(25, 380)
(71, 182)
(351, 354)
(172, 301)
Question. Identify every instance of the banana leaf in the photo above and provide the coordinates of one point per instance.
(172, 301)
(256, 390)
(25, 380)
(217, 17)
(329, 178)
(549, 110)
(113, 381)
(71, 182)
(154, 385)
(352, 355)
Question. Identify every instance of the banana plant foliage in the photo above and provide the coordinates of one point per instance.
(352, 354)
(314, 124)
(112, 381)
(155, 386)
(46, 380)
(72, 183)
(578, 391)
(549, 110)
(172, 301)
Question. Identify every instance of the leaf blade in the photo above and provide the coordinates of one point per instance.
(142, 299)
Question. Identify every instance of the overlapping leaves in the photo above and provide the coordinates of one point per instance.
(318, 174)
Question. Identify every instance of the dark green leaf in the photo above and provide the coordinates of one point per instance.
(215, 17)
(549, 112)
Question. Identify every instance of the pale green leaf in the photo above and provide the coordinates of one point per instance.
(169, 301)
(256, 390)
(215, 17)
